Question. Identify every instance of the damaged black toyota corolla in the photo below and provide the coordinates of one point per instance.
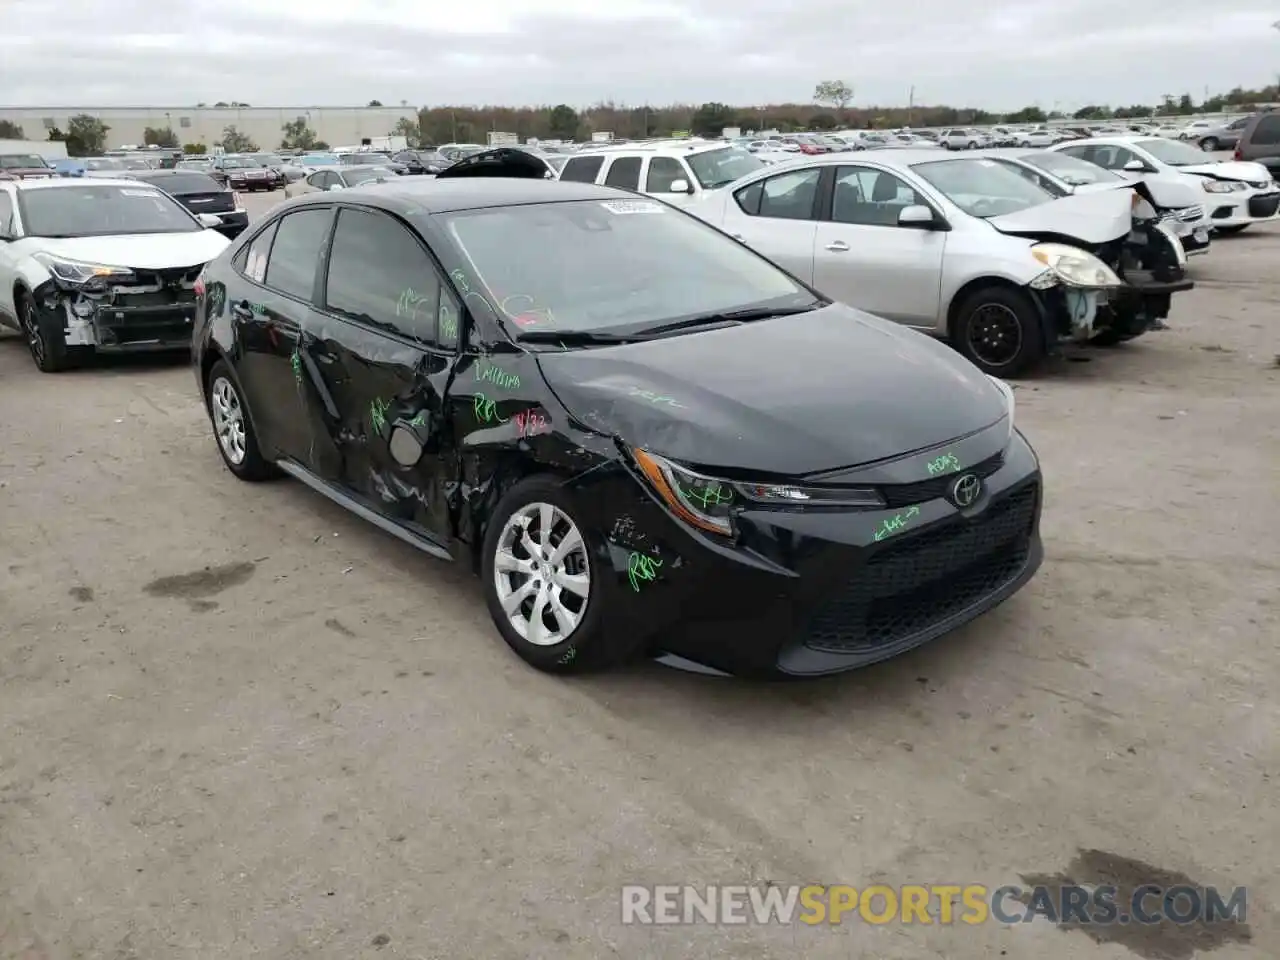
(641, 434)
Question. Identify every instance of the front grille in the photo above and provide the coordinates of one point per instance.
(918, 581)
(154, 278)
(1264, 206)
(1190, 214)
(909, 494)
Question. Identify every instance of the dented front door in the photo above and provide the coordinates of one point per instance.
(384, 343)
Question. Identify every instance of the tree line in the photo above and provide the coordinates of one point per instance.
(831, 109)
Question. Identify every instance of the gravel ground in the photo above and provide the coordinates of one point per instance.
(238, 722)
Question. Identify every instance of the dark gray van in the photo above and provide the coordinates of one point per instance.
(1260, 142)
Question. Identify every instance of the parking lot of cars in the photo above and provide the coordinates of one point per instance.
(245, 720)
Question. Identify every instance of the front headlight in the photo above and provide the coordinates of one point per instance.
(1073, 266)
(1224, 186)
(709, 503)
(78, 273)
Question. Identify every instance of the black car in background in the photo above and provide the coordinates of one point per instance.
(642, 435)
(372, 159)
(200, 193)
(207, 167)
(249, 174)
(418, 162)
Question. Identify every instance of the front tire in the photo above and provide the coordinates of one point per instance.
(46, 339)
(998, 329)
(233, 428)
(545, 582)
(1209, 144)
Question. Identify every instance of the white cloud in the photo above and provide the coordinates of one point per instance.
(998, 53)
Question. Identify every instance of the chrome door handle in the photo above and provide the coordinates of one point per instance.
(837, 246)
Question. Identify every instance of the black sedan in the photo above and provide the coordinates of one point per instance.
(643, 436)
(248, 174)
(200, 193)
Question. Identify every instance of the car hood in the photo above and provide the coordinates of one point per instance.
(155, 251)
(1230, 170)
(796, 395)
(1092, 218)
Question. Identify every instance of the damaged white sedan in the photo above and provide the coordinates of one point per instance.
(105, 265)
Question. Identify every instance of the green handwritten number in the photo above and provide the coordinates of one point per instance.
(419, 421)
(641, 568)
(488, 373)
(295, 361)
(896, 524)
(947, 463)
(654, 398)
(378, 414)
(460, 280)
(448, 323)
(712, 495)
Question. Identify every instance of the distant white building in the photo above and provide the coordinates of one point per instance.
(333, 125)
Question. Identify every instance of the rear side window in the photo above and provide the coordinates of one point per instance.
(582, 169)
(379, 274)
(788, 196)
(1266, 133)
(624, 172)
(252, 260)
(295, 254)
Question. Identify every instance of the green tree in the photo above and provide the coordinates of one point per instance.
(1025, 115)
(409, 130)
(320, 145)
(221, 105)
(297, 135)
(1093, 112)
(56, 135)
(86, 136)
(710, 119)
(233, 141)
(564, 122)
(822, 121)
(375, 103)
(835, 92)
(195, 149)
(11, 131)
(160, 137)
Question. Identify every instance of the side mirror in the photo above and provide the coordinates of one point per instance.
(917, 215)
(680, 186)
(209, 220)
(1135, 166)
(335, 186)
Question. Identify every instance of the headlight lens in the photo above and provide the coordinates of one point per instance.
(709, 503)
(77, 273)
(701, 501)
(1075, 267)
(1223, 186)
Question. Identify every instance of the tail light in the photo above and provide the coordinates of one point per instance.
(1237, 155)
(198, 286)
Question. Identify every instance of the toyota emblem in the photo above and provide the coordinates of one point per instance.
(966, 490)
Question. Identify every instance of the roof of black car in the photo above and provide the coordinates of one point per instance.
(470, 193)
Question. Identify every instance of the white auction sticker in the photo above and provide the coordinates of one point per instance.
(631, 206)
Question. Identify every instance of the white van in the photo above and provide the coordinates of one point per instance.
(677, 171)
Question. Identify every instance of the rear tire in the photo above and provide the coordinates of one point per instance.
(998, 329)
(550, 626)
(47, 340)
(1209, 144)
(233, 427)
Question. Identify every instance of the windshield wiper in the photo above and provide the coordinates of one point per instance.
(726, 318)
(575, 338)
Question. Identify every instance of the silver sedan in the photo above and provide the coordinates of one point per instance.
(337, 178)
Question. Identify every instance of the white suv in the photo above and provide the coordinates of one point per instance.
(677, 171)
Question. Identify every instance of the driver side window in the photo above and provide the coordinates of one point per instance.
(870, 197)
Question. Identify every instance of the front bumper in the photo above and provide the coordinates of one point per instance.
(815, 592)
(1241, 209)
(249, 185)
(141, 318)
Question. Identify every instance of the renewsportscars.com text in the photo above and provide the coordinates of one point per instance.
(922, 904)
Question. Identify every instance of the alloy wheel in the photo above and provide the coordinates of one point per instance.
(995, 334)
(542, 574)
(35, 337)
(228, 419)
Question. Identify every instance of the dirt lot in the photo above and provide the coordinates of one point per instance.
(238, 722)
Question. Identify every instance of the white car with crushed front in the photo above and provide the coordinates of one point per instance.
(104, 265)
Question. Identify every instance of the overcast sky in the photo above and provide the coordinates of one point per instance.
(986, 53)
